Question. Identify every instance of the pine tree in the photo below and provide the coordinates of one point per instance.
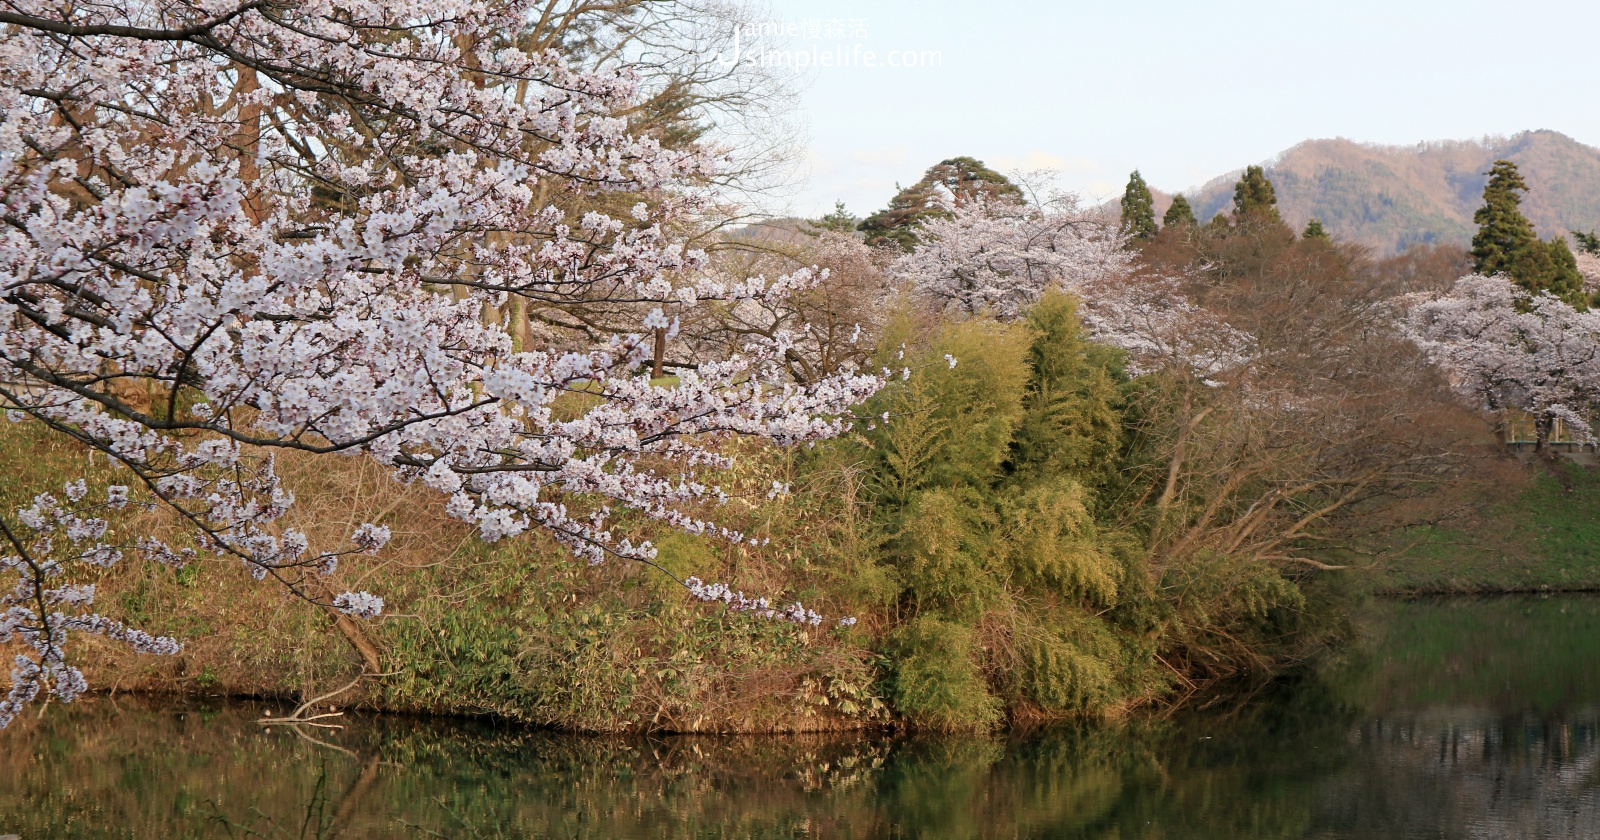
(1254, 198)
(1180, 213)
(960, 178)
(839, 220)
(1565, 281)
(1314, 230)
(1588, 243)
(1138, 208)
(1505, 242)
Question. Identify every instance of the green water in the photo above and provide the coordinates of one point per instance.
(1452, 719)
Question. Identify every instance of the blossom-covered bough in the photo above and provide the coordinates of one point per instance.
(235, 227)
(1504, 348)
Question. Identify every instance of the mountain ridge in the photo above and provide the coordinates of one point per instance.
(1391, 197)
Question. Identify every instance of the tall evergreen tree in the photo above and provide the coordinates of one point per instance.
(1314, 230)
(1180, 213)
(1138, 208)
(1254, 198)
(1506, 243)
(1565, 280)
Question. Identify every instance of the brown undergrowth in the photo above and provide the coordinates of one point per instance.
(516, 629)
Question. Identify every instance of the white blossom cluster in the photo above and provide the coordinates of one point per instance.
(359, 604)
(1001, 256)
(1152, 319)
(41, 610)
(759, 607)
(1504, 348)
(234, 226)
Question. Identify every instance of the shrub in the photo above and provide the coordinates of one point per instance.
(936, 681)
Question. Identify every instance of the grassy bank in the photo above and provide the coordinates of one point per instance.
(516, 629)
(991, 541)
(1542, 536)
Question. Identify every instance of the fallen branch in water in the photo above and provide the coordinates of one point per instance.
(299, 716)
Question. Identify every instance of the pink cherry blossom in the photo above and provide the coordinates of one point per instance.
(1001, 256)
(323, 217)
(1504, 348)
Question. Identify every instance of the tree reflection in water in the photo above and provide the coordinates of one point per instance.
(1473, 719)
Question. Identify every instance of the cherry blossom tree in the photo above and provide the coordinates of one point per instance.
(1001, 256)
(240, 226)
(829, 326)
(1589, 267)
(1504, 348)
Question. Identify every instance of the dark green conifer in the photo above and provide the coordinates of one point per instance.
(1565, 281)
(1180, 213)
(1314, 230)
(1589, 243)
(1138, 208)
(1253, 197)
(1506, 243)
(961, 178)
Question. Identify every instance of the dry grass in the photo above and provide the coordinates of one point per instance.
(516, 629)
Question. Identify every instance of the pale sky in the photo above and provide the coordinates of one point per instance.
(1184, 91)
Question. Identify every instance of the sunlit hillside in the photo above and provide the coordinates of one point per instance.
(1392, 196)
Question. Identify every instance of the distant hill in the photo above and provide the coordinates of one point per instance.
(1393, 196)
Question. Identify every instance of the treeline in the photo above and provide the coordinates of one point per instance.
(1505, 243)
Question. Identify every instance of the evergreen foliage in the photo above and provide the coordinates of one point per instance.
(1314, 230)
(1588, 243)
(1565, 281)
(1180, 213)
(838, 220)
(958, 179)
(1138, 208)
(1254, 198)
(985, 487)
(1506, 243)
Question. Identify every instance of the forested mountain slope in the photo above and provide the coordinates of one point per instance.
(1392, 196)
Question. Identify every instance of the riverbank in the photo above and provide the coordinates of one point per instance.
(1449, 718)
(1544, 537)
(1019, 546)
(520, 631)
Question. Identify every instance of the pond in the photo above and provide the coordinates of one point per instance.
(1453, 719)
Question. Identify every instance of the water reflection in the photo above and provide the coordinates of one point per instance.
(1457, 720)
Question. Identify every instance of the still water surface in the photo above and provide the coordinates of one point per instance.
(1453, 719)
